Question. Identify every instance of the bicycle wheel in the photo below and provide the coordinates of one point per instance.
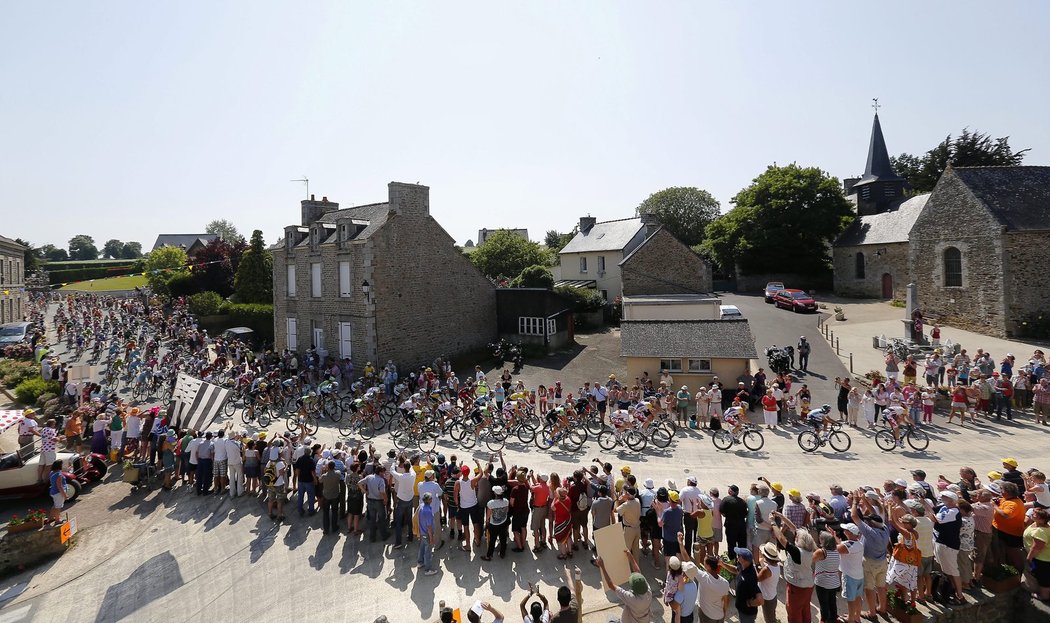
(526, 432)
(635, 440)
(469, 439)
(885, 441)
(388, 411)
(291, 422)
(808, 441)
(247, 419)
(332, 409)
(545, 438)
(594, 425)
(753, 440)
(347, 429)
(425, 442)
(494, 442)
(574, 440)
(263, 416)
(607, 439)
(722, 439)
(918, 439)
(840, 441)
(457, 430)
(661, 437)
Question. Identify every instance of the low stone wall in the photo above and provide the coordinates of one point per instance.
(23, 550)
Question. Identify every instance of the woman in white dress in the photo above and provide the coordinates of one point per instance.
(903, 570)
(867, 405)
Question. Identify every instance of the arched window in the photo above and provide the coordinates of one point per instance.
(859, 267)
(952, 268)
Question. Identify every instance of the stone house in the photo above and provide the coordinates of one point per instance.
(190, 243)
(977, 250)
(377, 282)
(592, 258)
(662, 264)
(12, 280)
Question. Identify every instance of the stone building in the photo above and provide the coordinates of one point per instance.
(377, 282)
(12, 280)
(662, 264)
(870, 258)
(592, 258)
(977, 250)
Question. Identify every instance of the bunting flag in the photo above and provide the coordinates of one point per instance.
(196, 404)
(9, 419)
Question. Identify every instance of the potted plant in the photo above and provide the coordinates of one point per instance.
(1000, 579)
(902, 608)
(33, 520)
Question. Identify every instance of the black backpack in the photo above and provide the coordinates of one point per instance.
(941, 588)
(716, 423)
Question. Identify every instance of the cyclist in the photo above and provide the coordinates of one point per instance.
(819, 418)
(734, 417)
(892, 415)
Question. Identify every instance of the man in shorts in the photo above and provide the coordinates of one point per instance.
(540, 500)
(275, 478)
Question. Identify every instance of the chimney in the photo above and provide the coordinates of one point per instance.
(312, 209)
(847, 185)
(586, 223)
(650, 222)
(409, 199)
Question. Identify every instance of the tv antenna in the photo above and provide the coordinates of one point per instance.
(304, 180)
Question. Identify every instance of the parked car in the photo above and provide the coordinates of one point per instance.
(795, 300)
(20, 473)
(729, 311)
(244, 334)
(16, 332)
(771, 289)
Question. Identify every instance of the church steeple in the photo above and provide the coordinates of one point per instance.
(880, 188)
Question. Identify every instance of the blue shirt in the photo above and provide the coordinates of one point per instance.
(426, 519)
(686, 598)
(876, 540)
(672, 518)
(58, 483)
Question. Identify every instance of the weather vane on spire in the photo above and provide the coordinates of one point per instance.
(875, 105)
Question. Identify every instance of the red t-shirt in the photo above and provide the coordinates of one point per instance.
(540, 494)
(769, 403)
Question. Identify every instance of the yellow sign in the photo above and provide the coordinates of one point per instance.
(68, 530)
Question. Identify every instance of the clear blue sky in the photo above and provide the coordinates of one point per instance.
(129, 119)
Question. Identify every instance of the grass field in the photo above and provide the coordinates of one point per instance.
(127, 282)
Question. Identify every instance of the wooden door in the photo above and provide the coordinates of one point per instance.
(887, 286)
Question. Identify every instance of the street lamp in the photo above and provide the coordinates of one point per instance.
(366, 288)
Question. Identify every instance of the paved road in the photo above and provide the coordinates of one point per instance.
(176, 557)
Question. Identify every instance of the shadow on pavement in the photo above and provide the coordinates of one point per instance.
(154, 578)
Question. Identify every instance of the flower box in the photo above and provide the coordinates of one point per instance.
(1004, 585)
(900, 614)
(28, 526)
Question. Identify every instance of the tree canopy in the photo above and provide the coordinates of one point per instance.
(112, 249)
(784, 221)
(164, 264)
(253, 282)
(31, 257)
(969, 149)
(556, 241)
(535, 276)
(131, 250)
(53, 254)
(225, 230)
(82, 247)
(684, 211)
(505, 254)
(215, 266)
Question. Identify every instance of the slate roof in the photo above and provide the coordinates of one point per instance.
(9, 241)
(606, 236)
(886, 227)
(373, 213)
(1018, 196)
(179, 240)
(708, 339)
(878, 168)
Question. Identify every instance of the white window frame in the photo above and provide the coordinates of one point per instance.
(601, 263)
(291, 280)
(345, 339)
(583, 264)
(292, 338)
(703, 366)
(530, 325)
(672, 365)
(552, 326)
(315, 280)
(345, 287)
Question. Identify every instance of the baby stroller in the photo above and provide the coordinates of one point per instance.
(141, 475)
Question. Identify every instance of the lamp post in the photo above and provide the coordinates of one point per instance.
(366, 288)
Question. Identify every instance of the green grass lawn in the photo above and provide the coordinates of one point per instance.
(126, 282)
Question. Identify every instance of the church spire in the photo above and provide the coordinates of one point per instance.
(878, 167)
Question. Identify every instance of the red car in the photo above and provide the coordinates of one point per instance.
(795, 300)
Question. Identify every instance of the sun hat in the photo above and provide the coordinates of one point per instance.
(674, 562)
(626, 469)
(871, 495)
(497, 490)
(851, 528)
(995, 488)
(776, 486)
(950, 495)
(770, 551)
(673, 495)
(995, 475)
(900, 482)
(648, 484)
(690, 570)
(794, 493)
(691, 480)
(639, 585)
(1012, 462)
(661, 494)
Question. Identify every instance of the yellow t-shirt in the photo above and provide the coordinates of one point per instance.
(704, 525)
(420, 470)
(1033, 532)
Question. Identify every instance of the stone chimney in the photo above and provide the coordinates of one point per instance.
(650, 222)
(587, 222)
(408, 199)
(313, 209)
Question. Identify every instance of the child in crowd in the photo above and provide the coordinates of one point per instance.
(927, 405)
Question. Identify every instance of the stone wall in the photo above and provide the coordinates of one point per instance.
(663, 265)
(12, 281)
(1025, 264)
(429, 299)
(756, 283)
(892, 259)
(26, 549)
(954, 218)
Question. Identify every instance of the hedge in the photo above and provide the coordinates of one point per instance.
(83, 274)
(583, 299)
(13, 372)
(207, 304)
(28, 391)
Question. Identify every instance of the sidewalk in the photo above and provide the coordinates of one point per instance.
(868, 319)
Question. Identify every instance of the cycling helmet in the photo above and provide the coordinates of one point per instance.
(826, 408)
(262, 386)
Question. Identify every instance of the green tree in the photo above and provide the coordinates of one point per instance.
(504, 254)
(225, 230)
(31, 257)
(112, 249)
(534, 277)
(253, 282)
(82, 247)
(556, 241)
(685, 211)
(784, 221)
(969, 149)
(131, 250)
(164, 264)
(53, 254)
